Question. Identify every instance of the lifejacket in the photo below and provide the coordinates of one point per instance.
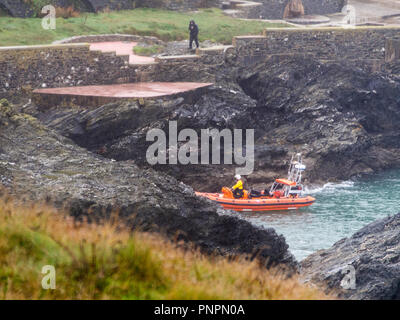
(278, 194)
(238, 190)
(238, 185)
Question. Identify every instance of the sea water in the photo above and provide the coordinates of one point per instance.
(340, 210)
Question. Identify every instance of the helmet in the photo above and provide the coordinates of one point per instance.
(238, 177)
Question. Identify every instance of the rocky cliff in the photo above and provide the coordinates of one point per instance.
(373, 254)
(16, 8)
(36, 163)
(345, 121)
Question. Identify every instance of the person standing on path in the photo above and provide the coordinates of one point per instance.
(194, 33)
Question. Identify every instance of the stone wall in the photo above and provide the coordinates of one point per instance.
(26, 68)
(392, 51)
(368, 48)
(250, 49)
(208, 64)
(23, 69)
(323, 6)
(331, 43)
(184, 68)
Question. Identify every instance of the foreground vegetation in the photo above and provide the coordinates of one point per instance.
(167, 25)
(148, 50)
(108, 262)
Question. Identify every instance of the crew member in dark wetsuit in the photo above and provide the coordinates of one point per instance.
(194, 33)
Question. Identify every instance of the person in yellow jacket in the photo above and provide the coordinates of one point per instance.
(238, 187)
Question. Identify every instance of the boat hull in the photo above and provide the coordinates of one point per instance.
(263, 204)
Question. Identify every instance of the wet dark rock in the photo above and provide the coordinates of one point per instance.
(37, 163)
(274, 9)
(343, 120)
(173, 48)
(118, 130)
(16, 8)
(373, 252)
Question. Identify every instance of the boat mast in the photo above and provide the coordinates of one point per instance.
(296, 169)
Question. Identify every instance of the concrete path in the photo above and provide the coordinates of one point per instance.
(373, 12)
(121, 49)
(382, 12)
(128, 90)
(375, 9)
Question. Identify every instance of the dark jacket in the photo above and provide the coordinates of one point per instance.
(194, 29)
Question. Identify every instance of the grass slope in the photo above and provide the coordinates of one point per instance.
(108, 262)
(167, 25)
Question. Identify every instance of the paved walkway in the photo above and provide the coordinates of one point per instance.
(371, 11)
(129, 90)
(121, 49)
(375, 9)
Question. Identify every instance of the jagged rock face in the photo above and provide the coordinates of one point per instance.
(82, 5)
(100, 5)
(373, 252)
(118, 130)
(16, 8)
(344, 121)
(36, 163)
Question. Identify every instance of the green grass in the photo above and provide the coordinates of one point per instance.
(167, 25)
(147, 51)
(108, 262)
(2, 13)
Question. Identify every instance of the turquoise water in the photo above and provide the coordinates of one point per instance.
(339, 211)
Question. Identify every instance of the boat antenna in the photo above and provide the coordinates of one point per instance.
(290, 167)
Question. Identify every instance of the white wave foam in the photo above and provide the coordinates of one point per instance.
(330, 187)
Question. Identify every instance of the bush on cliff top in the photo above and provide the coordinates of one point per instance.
(167, 25)
(148, 50)
(37, 6)
(108, 262)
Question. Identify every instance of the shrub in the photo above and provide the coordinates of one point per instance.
(148, 50)
(68, 12)
(107, 261)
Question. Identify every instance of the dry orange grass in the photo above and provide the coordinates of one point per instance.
(108, 262)
(68, 12)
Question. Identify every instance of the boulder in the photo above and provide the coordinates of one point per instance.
(371, 256)
(38, 164)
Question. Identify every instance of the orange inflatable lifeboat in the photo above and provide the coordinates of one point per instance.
(285, 194)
